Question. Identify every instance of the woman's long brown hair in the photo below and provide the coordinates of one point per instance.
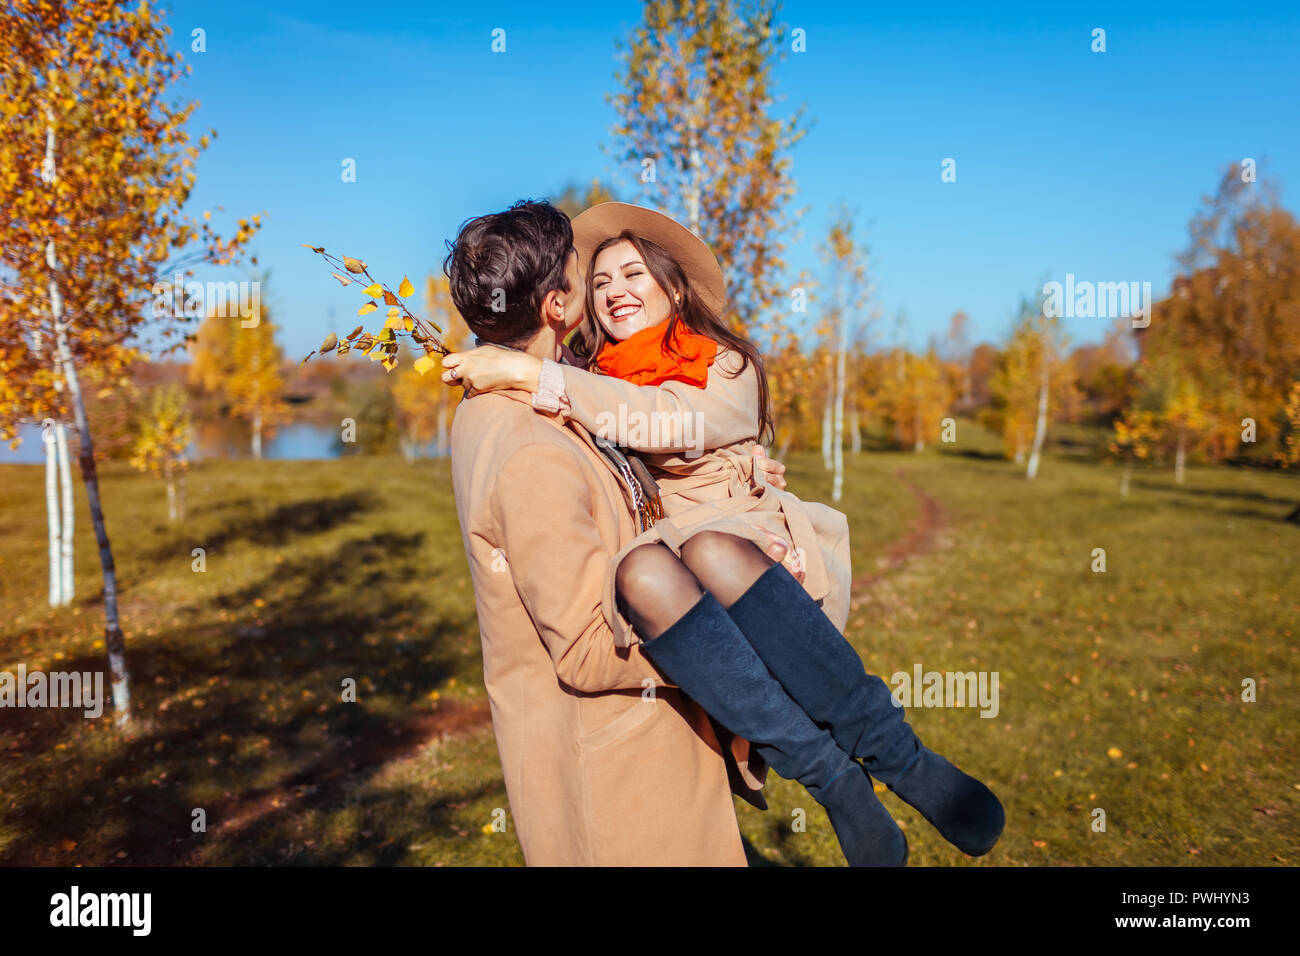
(590, 337)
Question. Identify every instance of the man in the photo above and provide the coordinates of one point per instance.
(604, 763)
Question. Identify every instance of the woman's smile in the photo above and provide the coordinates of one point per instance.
(624, 311)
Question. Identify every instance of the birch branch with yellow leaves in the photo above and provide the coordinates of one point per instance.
(384, 345)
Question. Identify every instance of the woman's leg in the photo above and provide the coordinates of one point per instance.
(825, 676)
(831, 685)
(690, 637)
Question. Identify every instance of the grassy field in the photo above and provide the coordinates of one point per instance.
(1119, 690)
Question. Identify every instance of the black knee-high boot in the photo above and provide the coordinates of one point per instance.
(825, 676)
(705, 654)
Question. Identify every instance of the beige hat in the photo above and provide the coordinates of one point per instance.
(606, 219)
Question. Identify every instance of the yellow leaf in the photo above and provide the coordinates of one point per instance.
(394, 322)
(394, 311)
(424, 363)
(375, 290)
(367, 308)
(1114, 753)
(410, 326)
(405, 288)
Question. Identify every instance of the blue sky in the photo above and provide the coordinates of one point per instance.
(1067, 160)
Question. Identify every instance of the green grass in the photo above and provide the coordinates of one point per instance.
(319, 571)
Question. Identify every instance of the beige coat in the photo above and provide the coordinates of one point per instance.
(714, 489)
(599, 769)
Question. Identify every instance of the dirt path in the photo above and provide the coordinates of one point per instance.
(922, 538)
(326, 777)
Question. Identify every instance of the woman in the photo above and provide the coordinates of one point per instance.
(712, 611)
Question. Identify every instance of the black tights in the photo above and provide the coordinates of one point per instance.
(656, 588)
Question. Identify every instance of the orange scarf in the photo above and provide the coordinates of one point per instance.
(642, 359)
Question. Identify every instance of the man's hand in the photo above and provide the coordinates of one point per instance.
(490, 367)
(779, 551)
(768, 470)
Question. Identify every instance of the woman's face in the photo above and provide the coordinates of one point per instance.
(626, 296)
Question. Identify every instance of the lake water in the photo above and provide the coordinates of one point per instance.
(295, 442)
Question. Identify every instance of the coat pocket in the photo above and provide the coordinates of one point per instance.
(621, 726)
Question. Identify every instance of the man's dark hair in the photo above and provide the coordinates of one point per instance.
(500, 267)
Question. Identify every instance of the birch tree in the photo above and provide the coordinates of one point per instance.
(697, 121)
(846, 260)
(165, 433)
(95, 165)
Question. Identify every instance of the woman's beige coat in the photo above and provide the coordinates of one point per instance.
(603, 762)
(713, 489)
(710, 489)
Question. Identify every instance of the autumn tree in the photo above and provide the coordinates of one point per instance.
(1033, 385)
(843, 316)
(1104, 371)
(574, 199)
(165, 431)
(256, 385)
(697, 120)
(918, 390)
(238, 360)
(957, 351)
(96, 163)
(1223, 349)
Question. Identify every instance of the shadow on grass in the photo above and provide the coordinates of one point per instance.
(1240, 494)
(975, 453)
(230, 713)
(276, 527)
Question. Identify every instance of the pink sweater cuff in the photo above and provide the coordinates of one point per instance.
(550, 395)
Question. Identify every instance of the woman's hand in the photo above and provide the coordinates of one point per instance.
(768, 470)
(491, 367)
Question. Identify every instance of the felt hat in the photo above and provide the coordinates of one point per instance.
(606, 219)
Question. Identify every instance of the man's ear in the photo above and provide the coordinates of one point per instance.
(552, 308)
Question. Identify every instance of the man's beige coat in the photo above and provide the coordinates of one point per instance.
(604, 763)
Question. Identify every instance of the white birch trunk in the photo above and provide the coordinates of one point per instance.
(170, 480)
(52, 512)
(855, 430)
(1180, 460)
(1040, 429)
(257, 434)
(64, 364)
(1125, 478)
(837, 486)
(66, 580)
(826, 432)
